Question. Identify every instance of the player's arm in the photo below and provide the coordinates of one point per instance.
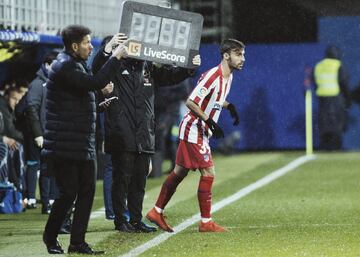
(86, 82)
(233, 112)
(215, 128)
(194, 108)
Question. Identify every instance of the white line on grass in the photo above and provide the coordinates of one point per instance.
(241, 193)
(98, 213)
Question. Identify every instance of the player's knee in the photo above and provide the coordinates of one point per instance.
(181, 172)
(208, 172)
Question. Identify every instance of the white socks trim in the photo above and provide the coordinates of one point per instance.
(205, 220)
(159, 210)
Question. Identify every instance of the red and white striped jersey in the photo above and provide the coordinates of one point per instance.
(210, 94)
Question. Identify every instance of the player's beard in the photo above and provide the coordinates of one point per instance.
(233, 65)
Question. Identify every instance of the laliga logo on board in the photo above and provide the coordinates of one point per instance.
(134, 49)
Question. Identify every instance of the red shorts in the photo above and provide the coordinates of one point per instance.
(193, 156)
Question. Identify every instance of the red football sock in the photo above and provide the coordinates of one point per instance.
(204, 196)
(168, 189)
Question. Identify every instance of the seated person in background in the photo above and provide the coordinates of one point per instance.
(13, 137)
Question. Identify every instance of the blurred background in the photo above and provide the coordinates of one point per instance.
(283, 38)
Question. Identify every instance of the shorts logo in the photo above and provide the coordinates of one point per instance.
(202, 92)
(134, 49)
(206, 157)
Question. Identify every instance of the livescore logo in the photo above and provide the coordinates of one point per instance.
(135, 49)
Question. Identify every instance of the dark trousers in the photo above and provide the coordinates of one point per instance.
(32, 156)
(164, 123)
(129, 179)
(76, 180)
(47, 183)
(35, 163)
(107, 185)
(332, 122)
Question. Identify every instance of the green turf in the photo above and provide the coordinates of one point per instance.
(312, 211)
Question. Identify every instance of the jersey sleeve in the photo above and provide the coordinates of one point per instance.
(203, 87)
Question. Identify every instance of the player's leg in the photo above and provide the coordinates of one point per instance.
(168, 188)
(205, 199)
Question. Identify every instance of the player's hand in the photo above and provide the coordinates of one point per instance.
(108, 89)
(116, 40)
(234, 114)
(215, 128)
(121, 51)
(196, 60)
(39, 141)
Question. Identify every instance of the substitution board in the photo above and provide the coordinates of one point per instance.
(161, 34)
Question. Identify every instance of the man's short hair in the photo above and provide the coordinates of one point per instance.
(230, 44)
(74, 34)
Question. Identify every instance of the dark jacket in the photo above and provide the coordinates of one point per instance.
(10, 129)
(129, 121)
(35, 110)
(71, 109)
(168, 99)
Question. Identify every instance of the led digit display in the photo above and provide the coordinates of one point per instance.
(182, 34)
(137, 26)
(152, 30)
(161, 34)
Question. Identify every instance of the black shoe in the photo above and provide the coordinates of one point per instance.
(141, 227)
(46, 209)
(83, 248)
(52, 247)
(125, 227)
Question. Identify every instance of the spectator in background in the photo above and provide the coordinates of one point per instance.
(13, 137)
(4, 175)
(35, 116)
(107, 178)
(331, 81)
(167, 108)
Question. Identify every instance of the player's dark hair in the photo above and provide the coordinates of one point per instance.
(74, 34)
(230, 44)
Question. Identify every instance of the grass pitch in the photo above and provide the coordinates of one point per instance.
(311, 211)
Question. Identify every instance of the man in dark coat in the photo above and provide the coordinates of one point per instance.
(69, 138)
(35, 117)
(130, 130)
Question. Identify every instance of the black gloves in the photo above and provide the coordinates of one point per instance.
(215, 129)
(234, 114)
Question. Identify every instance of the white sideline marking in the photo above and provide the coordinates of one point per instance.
(241, 193)
(98, 213)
